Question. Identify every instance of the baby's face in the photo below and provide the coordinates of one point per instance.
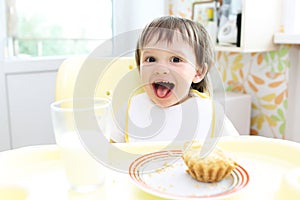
(167, 71)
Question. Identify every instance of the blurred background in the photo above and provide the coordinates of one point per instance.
(260, 58)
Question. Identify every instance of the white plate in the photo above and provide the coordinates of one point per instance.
(164, 174)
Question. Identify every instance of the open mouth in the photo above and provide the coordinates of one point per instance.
(163, 88)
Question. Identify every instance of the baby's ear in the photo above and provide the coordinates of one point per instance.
(200, 73)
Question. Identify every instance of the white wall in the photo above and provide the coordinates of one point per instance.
(3, 29)
(293, 112)
(130, 17)
(4, 127)
(291, 16)
(135, 14)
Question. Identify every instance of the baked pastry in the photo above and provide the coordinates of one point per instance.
(213, 168)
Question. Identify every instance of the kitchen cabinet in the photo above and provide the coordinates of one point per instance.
(29, 97)
(27, 89)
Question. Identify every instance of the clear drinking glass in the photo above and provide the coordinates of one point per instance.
(72, 118)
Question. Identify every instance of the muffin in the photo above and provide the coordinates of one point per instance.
(213, 168)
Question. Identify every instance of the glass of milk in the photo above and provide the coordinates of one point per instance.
(72, 119)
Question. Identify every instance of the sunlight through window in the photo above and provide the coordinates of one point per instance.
(57, 27)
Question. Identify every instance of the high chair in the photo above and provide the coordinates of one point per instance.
(88, 71)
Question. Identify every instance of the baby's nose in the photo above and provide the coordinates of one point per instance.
(161, 70)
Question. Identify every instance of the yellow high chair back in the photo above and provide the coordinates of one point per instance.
(84, 68)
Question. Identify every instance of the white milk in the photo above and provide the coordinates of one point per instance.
(81, 168)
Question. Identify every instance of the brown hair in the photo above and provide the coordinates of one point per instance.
(192, 32)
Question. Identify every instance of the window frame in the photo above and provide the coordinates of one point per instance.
(7, 47)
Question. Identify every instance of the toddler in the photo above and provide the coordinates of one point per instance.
(173, 56)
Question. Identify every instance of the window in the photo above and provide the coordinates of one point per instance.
(56, 27)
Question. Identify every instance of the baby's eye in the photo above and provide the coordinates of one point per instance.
(150, 59)
(175, 59)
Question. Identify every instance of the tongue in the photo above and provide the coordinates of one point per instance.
(162, 91)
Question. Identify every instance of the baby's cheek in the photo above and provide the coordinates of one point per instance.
(144, 75)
